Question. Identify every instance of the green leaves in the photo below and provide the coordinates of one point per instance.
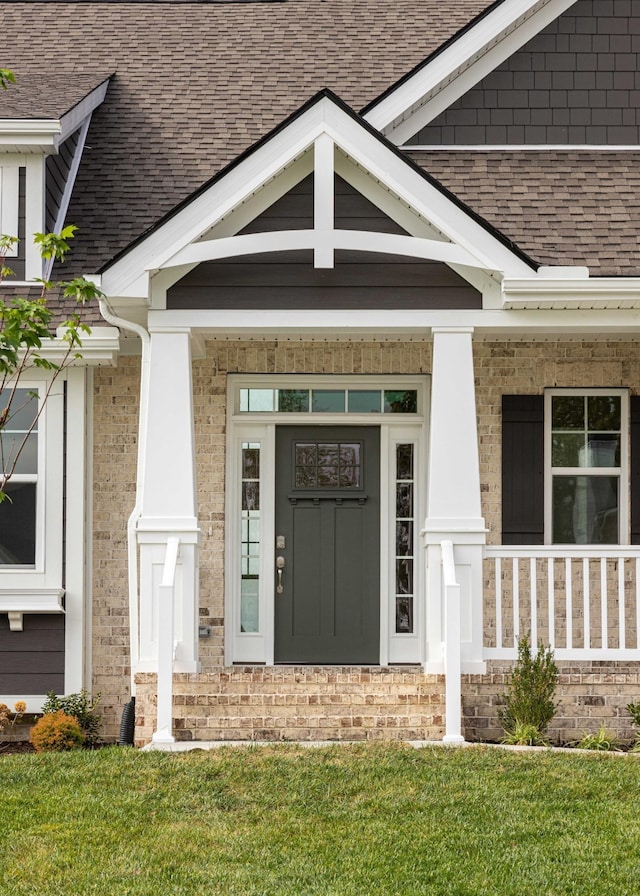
(55, 245)
(6, 77)
(529, 701)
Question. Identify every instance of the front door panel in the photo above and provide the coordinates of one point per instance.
(328, 518)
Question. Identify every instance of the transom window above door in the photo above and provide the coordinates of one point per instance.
(329, 401)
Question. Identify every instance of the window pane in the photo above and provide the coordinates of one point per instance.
(18, 524)
(328, 400)
(12, 442)
(603, 450)
(364, 401)
(603, 412)
(403, 402)
(585, 509)
(24, 407)
(293, 400)
(250, 538)
(404, 586)
(256, 400)
(567, 412)
(567, 450)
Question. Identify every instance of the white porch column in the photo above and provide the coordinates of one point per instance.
(453, 496)
(169, 508)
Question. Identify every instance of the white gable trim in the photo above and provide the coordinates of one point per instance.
(401, 113)
(324, 243)
(321, 126)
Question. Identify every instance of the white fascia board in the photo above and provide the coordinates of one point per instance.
(547, 292)
(29, 135)
(288, 240)
(75, 118)
(214, 204)
(99, 348)
(387, 324)
(126, 276)
(394, 174)
(461, 65)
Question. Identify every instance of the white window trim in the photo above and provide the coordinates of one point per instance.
(624, 471)
(9, 203)
(258, 647)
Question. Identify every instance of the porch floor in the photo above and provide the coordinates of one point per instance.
(298, 703)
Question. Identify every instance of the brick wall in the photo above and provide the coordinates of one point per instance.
(116, 396)
(588, 694)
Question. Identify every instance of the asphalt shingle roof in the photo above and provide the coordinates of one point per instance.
(579, 207)
(195, 84)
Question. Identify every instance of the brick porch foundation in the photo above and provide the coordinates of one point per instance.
(281, 703)
(287, 703)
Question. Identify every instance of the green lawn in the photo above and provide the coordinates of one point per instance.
(340, 820)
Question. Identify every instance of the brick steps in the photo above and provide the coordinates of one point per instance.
(282, 703)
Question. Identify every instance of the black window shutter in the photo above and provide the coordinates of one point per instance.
(635, 468)
(523, 469)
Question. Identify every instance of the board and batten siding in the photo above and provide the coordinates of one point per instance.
(32, 661)
(574, 83)
(288, 280)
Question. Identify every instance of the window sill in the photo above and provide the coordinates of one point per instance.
(34, 600)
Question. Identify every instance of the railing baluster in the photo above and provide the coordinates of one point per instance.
(510, 560)
(586, 605)
(568, 600)
(533, 589)
(622, 633)
(551, 592)
(498, 574)
(516, 599)
(604, 642)
(637, 603)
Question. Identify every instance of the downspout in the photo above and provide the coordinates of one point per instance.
(134, 618)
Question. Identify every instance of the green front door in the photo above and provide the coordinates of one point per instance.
(327, 544)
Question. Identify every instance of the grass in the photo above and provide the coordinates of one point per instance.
(385, 821)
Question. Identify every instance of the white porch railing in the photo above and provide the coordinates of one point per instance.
(584, 602)
(166, 644)
(451, 647)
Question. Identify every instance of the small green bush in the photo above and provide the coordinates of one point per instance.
(634, 711)
(529, 700)
(601, 740)
(81, 706)
(525, 734)
(55, 732)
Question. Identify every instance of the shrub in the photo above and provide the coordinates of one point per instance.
(82, 707)
(529, 700)
(56, 731)
(524, 734)
(601, 740)
(634, 711)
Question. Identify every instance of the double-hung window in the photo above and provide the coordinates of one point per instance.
(19, 444)
(566, 467)
(586, 453)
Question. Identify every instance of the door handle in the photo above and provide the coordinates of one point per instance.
(279, 568)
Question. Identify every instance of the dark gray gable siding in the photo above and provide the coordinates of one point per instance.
(32, 661)
(57, 173)
(575, 83)
(288, 279)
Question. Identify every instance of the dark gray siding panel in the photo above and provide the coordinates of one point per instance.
(294, 211)
(57, 173)
(32, 661)
(575, 83)
(289, 280)
(522, 469)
